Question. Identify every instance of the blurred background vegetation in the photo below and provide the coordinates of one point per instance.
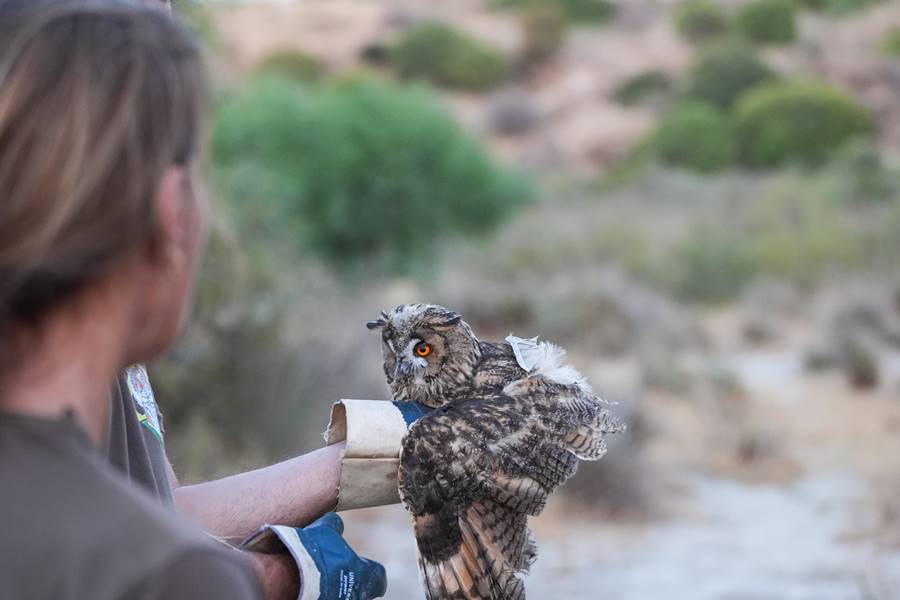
(698, 198)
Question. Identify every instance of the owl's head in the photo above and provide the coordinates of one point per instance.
(428, 352)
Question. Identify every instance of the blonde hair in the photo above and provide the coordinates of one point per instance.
(96, 103)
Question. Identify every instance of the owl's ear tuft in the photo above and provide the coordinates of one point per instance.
(452, 319)
(379, 323)
(446, 318)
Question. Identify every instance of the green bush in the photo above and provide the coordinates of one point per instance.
(862, 175)
(797, 234)
(709, 267)
(838, 7)
(292, 64)
(796, 121)
(890, 42)
(724, 72)
(642, 86)
(447, 57)
(843, 7)
(695, 136)
(700, 20)
(361, 172)
(576, 11)
(768, 21)
(589, 11)
(543, 32)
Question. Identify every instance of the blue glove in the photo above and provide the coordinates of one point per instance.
(412, 411)
(329, 568)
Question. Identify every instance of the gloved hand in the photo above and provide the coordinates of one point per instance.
(329, 567)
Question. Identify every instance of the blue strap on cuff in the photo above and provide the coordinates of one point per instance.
(411, 411)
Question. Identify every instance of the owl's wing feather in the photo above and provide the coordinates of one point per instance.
(546, 359)
(472, 471)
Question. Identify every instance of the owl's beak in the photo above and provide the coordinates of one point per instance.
(404, 367)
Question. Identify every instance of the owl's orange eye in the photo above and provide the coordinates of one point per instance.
(422, 349)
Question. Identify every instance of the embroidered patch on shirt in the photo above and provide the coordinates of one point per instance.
(142, 394)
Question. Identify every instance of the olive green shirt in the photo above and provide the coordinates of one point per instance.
(75, 529)
(134, 441)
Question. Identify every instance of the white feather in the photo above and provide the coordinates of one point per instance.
(544, 358)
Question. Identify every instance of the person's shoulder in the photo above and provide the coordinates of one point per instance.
(78, 525)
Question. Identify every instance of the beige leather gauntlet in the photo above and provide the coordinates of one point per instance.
(373, 431)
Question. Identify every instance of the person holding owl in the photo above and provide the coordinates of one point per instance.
(101, 227)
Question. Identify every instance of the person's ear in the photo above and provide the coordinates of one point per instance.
(171, 213)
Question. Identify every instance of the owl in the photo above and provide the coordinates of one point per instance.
(509, 425)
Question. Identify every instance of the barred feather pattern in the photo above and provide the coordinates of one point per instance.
(472, 471)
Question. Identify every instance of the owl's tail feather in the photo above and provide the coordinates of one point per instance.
(452, 579)
(496, 546)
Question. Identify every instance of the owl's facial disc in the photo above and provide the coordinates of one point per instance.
(427, 350)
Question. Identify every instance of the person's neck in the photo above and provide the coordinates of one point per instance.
(70, 367)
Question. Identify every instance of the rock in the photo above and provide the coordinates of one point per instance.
(759, 328)
(512, 114)
(861, 363)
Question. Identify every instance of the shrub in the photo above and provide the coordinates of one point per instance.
(724, 72)
(447, 57)
(709, 267)
(543, 30)
(700, 20)
(890, 42)
(588, 11)
(862, 175)
(797, 234)
(361, 172)
(839, 7)
(642, 86)
(578, 11)
(696, 136)
(843, 7)
(796, 121)
(768, 21)
(292, 64)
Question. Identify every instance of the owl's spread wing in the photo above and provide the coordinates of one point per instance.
(472, 471)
